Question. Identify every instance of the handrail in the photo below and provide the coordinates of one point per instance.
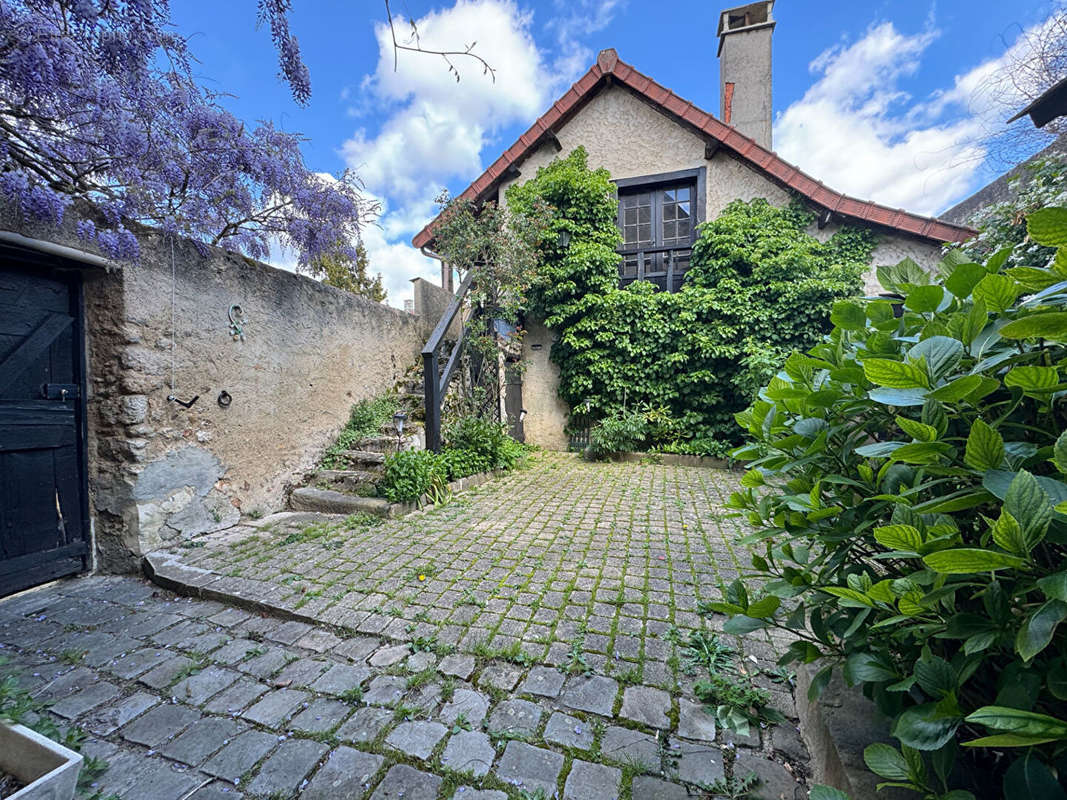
(435, 383)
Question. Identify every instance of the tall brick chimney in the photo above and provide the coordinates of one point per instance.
(745, 69)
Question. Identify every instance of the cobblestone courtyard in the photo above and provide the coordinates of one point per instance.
(525, 638)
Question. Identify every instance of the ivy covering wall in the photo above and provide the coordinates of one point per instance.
(759, 286)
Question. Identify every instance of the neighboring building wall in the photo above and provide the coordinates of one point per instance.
(546, 414)
(160, 472)
(891, 249)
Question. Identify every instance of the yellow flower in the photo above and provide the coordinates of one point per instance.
(422, 577)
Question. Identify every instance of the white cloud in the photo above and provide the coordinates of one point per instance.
(861, 133)
(438, 127)
(573, 20)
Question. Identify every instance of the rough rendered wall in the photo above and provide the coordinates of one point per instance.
(546, 414)
(160, 472)
(631, 139)
(891, 248)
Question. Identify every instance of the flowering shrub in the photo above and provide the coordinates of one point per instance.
(909, 485)
(98, 103)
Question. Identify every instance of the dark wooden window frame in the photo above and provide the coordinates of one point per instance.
(697, 178)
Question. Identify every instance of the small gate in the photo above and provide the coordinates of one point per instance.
(44, 520)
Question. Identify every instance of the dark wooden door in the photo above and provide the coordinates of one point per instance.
(43, 508)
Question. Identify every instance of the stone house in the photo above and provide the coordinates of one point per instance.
(675, 166)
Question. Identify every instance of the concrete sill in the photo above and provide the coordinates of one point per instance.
(49, 770)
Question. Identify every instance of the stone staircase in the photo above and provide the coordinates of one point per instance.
(350, 487)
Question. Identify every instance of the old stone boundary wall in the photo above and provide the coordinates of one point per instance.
(159, 472)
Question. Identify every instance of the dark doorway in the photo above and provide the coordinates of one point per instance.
(44, 521)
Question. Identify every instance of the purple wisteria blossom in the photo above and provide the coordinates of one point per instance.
(97, 103)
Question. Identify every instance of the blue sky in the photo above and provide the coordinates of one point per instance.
(882, 100)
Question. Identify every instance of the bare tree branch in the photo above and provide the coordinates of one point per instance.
(447, 55)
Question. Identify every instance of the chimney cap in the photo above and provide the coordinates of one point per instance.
(750, 15)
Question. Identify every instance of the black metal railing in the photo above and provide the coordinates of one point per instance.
(434, 379)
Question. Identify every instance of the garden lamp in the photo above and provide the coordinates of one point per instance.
(399, 418)
(564, 239)
(522, 414)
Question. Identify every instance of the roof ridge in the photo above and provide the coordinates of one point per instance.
(761, 158)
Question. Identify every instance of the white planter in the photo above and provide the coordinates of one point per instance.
(50, 771)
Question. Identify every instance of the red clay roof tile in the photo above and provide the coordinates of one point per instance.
(759, 157)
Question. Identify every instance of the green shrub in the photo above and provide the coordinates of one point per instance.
(410, 474)
(483, 445)
(908, 486)
(622, 432)
(365, 419)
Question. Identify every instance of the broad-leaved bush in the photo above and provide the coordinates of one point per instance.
(908, 486)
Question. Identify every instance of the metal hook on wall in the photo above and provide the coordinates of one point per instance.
(237, 322)
(172, 399)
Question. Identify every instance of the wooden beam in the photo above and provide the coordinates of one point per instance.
(511, 172)
(553, 140)
(824, 218)
(711, 148)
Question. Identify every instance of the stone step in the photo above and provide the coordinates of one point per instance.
(388, 444)
(327, 501)
(357, 481)
(368, 457)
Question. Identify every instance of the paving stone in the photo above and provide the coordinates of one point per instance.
(416, 739)
(697, 763)
(364, 725)
(515, 717)
(302, 672)
(648, 788)
(500, 676)
(159, 780)
(74, 705)
(592, 782)
(234, 651)
(469, 793)
(568, 731)
(694, 722)
(530, 768)
(357, 648)
(133, 664)
(427, 698)
(236, 698)
(785, 739)
(240, 755)
(630, 748)
(775, 781)
(646, 705)
(266, 664)
(288, 632)
(461, 666)
(390, 655)
(159, 724)
(593, 693)
(216, 790)
(229, 616)
(469, 703)
(402, 782)
(420, 661)
(320, 716)
(273, 709)
(203, 738)
(346, 775)
(198, 688)
(318, 640)
(340, 678)
(385, 690)
(543, 681)
(469, 751)
(284, 771)
(203, 643)
(106, 720)
(165, 674)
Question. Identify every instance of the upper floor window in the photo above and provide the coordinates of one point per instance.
(658, 216)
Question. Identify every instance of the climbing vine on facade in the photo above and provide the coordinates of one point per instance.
(760, 286)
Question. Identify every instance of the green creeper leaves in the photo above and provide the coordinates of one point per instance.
(985, 447)
(1050, 325)
(966, 560)
(894, 374)
(1048, 226)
